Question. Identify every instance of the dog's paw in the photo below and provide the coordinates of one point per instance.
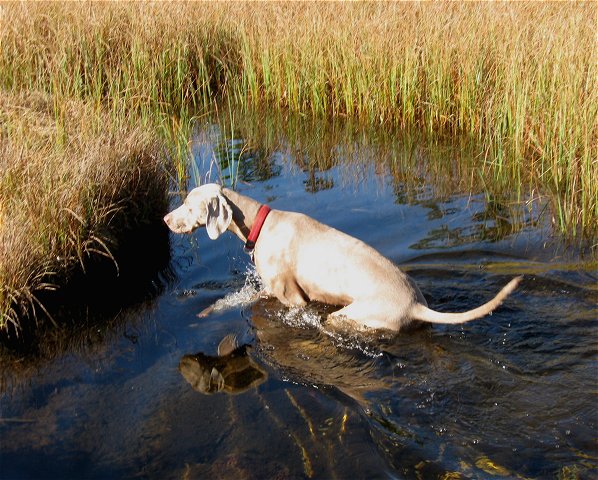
(205, 312)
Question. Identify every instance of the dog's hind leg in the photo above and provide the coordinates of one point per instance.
(358, 316)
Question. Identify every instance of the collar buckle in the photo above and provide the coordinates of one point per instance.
(249, 247)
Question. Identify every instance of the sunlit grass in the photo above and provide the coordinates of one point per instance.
(520, 77)
(71, 186)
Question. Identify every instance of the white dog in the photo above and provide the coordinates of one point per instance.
(300, 260)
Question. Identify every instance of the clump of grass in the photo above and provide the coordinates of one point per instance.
(145, 57)
(71, 184)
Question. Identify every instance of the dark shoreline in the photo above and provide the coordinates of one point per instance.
(91, 296)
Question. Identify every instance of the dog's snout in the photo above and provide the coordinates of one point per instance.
(176, 222)
(173, 222)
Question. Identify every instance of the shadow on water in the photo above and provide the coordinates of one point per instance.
(94, 304)
(256, 390)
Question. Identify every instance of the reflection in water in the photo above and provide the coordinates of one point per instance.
(316, 184)
(422, 172)
(293, 342)
(492, 220)
(232, 371)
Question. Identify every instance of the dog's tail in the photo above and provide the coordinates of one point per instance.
(423, 313)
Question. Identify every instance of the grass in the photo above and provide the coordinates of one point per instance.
(69, 181)
(518, 78)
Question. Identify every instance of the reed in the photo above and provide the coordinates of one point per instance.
(71, 186)
(519, 77)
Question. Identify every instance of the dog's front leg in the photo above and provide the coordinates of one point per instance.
(288, 292)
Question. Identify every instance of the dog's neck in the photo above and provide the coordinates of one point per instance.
(244, 212)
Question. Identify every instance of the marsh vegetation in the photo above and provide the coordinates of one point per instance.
(517, 81)
(71, 186)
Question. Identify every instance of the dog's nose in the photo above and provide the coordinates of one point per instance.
(168, 219)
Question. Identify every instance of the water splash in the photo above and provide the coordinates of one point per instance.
(248, 294)
(311, 316)
(300, 317)
(360, 342)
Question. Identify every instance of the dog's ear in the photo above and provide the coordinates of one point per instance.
(219, 216)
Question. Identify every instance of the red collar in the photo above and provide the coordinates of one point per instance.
(260, 218)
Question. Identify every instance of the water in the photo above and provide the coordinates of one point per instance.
(145, 393)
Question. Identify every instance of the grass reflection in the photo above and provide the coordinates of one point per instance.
(421, 171)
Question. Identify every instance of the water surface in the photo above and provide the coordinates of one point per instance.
(149, 394)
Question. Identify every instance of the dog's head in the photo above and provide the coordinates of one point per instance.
(204, 206)
(232, 371)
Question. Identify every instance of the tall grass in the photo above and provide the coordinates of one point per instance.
(71, 185)
(520, 77)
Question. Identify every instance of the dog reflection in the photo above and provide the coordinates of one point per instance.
(308, 356)
(303, 354)
(232, 371)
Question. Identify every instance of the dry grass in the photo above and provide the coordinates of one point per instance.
(70, 186)
(519, 77)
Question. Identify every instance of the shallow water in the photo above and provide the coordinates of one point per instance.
(512, 395)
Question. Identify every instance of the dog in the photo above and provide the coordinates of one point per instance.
(300, 260)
